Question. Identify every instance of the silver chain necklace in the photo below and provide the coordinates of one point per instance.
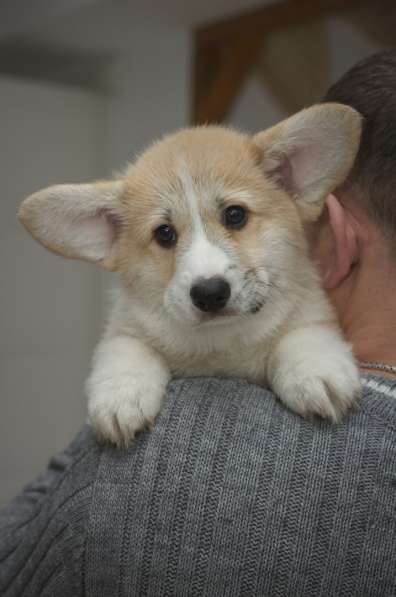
(379, 366)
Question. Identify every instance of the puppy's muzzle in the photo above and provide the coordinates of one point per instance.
(210, 294)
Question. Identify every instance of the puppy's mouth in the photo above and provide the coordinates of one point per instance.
(228, 314)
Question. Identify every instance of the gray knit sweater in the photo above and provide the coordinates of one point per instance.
(230, 494)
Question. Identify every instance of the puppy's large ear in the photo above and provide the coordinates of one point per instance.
(311, 153)
(78, 221)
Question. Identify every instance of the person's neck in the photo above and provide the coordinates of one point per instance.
(367, 312)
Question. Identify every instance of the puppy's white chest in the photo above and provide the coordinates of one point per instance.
(235, 361)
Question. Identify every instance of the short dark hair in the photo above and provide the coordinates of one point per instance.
(370, 88)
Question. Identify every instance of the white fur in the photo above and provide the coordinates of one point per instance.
(202, 259)
(125, 388)
(313, 371)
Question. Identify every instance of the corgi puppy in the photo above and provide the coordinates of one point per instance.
(207, 233)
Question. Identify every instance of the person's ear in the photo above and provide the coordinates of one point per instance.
(344, 253)
(309, 154)
(79, 221)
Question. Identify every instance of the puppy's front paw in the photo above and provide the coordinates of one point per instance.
(120, 407)
(322, 383)
(328, 395)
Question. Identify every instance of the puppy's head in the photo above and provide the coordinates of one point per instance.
(208, 223)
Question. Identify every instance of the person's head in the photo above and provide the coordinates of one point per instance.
(370, 88)
(357, 233)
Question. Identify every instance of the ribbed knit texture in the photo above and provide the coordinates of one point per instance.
(230, 494)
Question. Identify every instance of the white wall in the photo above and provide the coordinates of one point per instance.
(151, 92)
(348, 45)
(48, 306)
(255, 109)
(51, 310)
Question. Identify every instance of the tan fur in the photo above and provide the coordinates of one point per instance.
(233, 159)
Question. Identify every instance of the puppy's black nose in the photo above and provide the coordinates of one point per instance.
(210, 294)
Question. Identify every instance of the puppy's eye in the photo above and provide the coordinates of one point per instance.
(235, 216)
(165, 236)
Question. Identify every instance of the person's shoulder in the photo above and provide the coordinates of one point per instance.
(70, 532)
(192, 395)
(379, 401)
(43, 529)
(227, 464)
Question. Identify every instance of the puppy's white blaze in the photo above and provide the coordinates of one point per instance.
(190, 194)
(203, 259)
